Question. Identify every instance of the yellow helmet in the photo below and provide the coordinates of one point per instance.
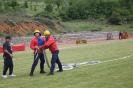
(46, 33)
(37, 31)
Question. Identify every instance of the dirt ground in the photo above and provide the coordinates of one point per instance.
(21, 29)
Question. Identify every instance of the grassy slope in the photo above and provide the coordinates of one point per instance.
(117, 74)
(87, 26)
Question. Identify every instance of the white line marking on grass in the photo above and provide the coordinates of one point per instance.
(75, 65)
(73, 46)
(121, 58)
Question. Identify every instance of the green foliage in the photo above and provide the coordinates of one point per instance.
(85, 9)
(1, 34)
(72, 9)
(26, 4)
(14, 4)
(115, 18)
(49, 8)
(127, 4)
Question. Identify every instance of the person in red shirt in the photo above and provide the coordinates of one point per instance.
(37, 41)
(50, 44)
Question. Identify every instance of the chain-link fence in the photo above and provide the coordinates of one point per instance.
(68, 38)
(17, 40)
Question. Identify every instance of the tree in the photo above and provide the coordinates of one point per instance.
(26, 4)
(14, 4)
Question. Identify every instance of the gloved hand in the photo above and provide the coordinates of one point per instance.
(40, 50)
(11, 55)
(36, 47)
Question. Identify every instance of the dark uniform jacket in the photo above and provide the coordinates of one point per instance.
(7, 46)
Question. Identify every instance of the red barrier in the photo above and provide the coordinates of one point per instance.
(17, 47)
(1, 49)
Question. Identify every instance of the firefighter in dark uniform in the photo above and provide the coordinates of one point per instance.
(7, 55)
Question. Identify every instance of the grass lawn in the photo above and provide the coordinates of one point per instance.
(115, 74)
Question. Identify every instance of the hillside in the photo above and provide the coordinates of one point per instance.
(21, 17)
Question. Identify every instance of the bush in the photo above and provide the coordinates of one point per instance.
(96, 29)
(131, 25)
(2, 34)
(130, 19)
(114, 19)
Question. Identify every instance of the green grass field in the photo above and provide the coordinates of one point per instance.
(114, 74)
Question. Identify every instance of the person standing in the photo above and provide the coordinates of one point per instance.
(120, 35)
(7, 55)
(37, 41)
(50, 44)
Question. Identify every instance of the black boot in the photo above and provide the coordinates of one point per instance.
(42, 72)
(51, 73)
(60, 70)
(31, 74)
